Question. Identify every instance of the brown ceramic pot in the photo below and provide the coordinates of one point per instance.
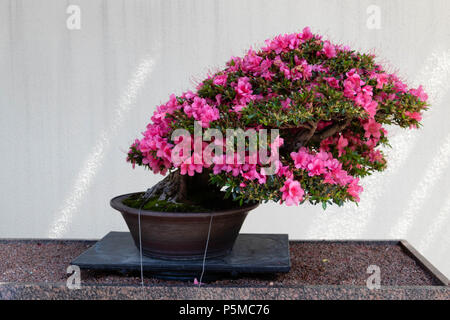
(182, 236)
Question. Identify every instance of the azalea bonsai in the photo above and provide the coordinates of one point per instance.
(331, 106)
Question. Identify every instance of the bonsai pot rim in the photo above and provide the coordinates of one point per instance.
(117, 204)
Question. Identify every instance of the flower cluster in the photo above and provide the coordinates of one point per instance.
(330, 104)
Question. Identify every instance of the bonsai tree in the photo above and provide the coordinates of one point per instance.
(330, 105)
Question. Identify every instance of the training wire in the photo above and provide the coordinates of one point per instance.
(146, 197)
(206, 250)
(145, 200)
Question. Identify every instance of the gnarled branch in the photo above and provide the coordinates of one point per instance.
(294, 141)
(179, 188)
(330, 131)
(304, 136)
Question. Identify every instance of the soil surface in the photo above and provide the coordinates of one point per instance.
(313, 263)
(212, 204)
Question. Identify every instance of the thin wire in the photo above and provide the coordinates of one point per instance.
(140, 246)
(146, 197)
(206, 250)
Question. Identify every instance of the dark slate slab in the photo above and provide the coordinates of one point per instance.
(252, 253)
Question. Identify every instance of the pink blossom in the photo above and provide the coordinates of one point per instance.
(414, 115)
(219, 99)
(372, 129)
(382, 79)
(354, 189)
(244, 88)
(398, 84)
(353, 83)
(301, 158)
(316, 167)
(286, 103)
(238, 108)
(306, 34)
(323, 124)
(332, 82)
(371, 108)
(329, 50)
(263, 68)
(375, 156)
(292, 192)
(342, 143)
(419, 93)
(277, 143)
(282, 43)
(220, 80)
(234, 64)
(284, 171)
(200, 110)
(325, 144)
(190, 169)
(302, 69)
(251, 61)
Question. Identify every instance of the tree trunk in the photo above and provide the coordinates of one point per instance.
(179, 188)
(295, 139)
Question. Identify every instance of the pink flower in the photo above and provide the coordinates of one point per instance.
(372, 128)
(329, 50)
(323, 124)
(382, 79)
(316, 167)
(220, 80)
(277, 142)
(325, 144)
(332, 82)
(263, 68)
(284, 171)
(286, 103)
(301, 158)
(342, 143)
(244, 88)
(282, 43)
(371, 108)
(324, 156)
(399, 86)
(375, 156)
(292, 192)
(419, 93)
(302, 69)
(414, 115)
(251, 61)
(200, 110)
(354, 189)
(234, 64)
(238, 108)
(306, 34)
(219, 99)
(353, 83)
(187, 167)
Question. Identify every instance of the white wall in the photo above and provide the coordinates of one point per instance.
(72, 101)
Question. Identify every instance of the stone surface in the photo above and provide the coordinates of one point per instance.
(135, 292)
(331, 269)
(252, 253)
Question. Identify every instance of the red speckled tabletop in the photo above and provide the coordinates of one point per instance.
(315, 264)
